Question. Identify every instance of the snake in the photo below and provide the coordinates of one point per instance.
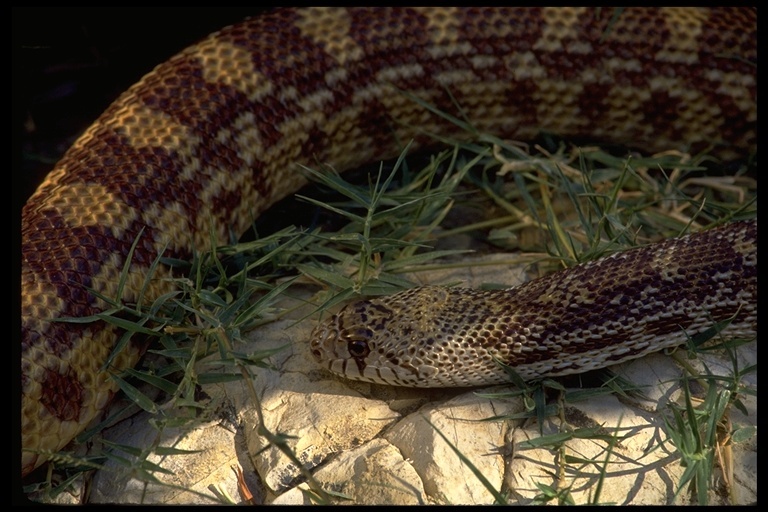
(209, 139)
(589, 316)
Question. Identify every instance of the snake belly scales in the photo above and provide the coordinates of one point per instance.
(212, 137)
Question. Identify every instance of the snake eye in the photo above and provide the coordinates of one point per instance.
(358, 348)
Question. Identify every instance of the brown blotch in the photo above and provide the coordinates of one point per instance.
(62, 395)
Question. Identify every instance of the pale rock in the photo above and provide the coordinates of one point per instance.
(462, 420)
(375, 474)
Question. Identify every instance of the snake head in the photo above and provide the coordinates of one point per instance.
(368, 341)
(396, 340)
(348, 346)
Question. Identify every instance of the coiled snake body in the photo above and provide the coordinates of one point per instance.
(212, 137)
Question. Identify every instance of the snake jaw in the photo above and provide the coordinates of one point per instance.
(328, 347)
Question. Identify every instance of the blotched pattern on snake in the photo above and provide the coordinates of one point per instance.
(214, 136)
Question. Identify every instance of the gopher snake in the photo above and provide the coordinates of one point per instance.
(590, 316)
(211, 138)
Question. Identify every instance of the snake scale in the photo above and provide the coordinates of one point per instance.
(212, 137)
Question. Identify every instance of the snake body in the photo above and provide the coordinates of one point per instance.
(212, 137)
